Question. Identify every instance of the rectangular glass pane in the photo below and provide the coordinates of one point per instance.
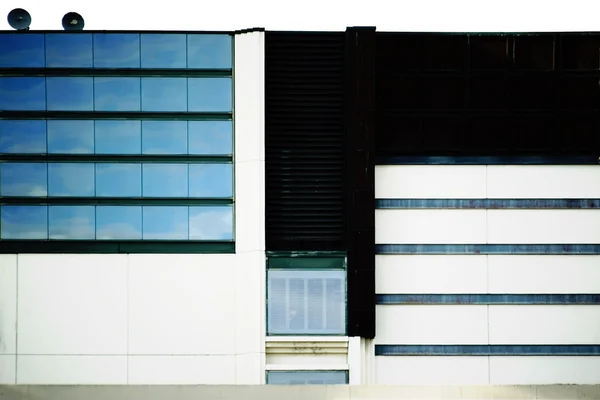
(165, 223)
(211, 180)
(297, 310)
(117, 94)
(164, 137)
(307, 377)
(165, 180)
(71, 137)
(70, 94)
(164, 94)
(211, 223)
(118, 137)
(23, 179)
(209, 51)
(19, 137)
(209, 94)
(24, 222)
(163, 50)
(71, 222)
(118, 180)
(71, 179)
(22, 94)
(67, 50)
(116, 50)
(335, 304)
(316, 312)
(118, 222)
(210, 137)
(277, 305)
(21, 51)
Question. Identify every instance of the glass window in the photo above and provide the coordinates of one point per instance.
(211, 180)
(165, 180)
(118, 137)
(71, 137)
(211, 223)
(71, 179)
(118, 180)
(165, 223)
(117, 94)
(23, 179)
(22, 94)
(23, 136)
(24, 222)
(67, 50)
(164, 94)
(209, 94)
(116, 50)
(164, 137)
(163, 50)
(209, 51)
(71, 222)
(118, 222)
(307, 377)
(70, 94)
(210, 137)
(20, 51)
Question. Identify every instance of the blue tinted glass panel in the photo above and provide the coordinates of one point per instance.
(71, 179)
(119, 180)
(211, 180)
(118, 222)
(117, 94)
(118, 137)
(209, 94)
(164, 94)
(165, 180)
(24, 222)
(210, 137)
(164, 137)
(71, 137)
(115, 50)
(67, 50)
(70, 94)
(211, 223)
(71, 222)
(209, 51)
(23, 136)
(22, 94)
(23, 179)
(18, 50)
(163, 51)
(166, 223)
(307, 377)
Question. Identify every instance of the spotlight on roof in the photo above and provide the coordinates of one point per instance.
(72, 21)
(19, 19)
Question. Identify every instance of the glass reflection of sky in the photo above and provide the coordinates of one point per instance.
(70, 94)
(71, 137)
(22, 94)
(71, 222)
(164, 94)
(23, 179)
(24, 222)
(66, 50)
(164, 137)
(118, 222)
(167, 223)
(163, 50)
(209, 51)
(211, 180)
(23, 136)
(117, 94)
(71, 179)
(211, 223)
(118, 180)
(165, 180)
(114, 50)
(209, 94)
(118, 137)
(18, 50)
(210, 137)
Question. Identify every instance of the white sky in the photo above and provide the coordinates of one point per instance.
(386, 15)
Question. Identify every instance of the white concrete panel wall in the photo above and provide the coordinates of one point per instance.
(433, 370)
(8, 304)
(547, 370)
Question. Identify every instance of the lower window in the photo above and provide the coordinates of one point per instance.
(307, 377)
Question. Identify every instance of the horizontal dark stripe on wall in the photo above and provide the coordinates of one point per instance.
(130, 201)
(543, 249)
(489, 160)
(492, 299)
(135, 115)
(487, 350)
(125, 72)
(118, 158)
(115, 247)
(487, 203)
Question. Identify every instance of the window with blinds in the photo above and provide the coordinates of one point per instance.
(307, 377)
